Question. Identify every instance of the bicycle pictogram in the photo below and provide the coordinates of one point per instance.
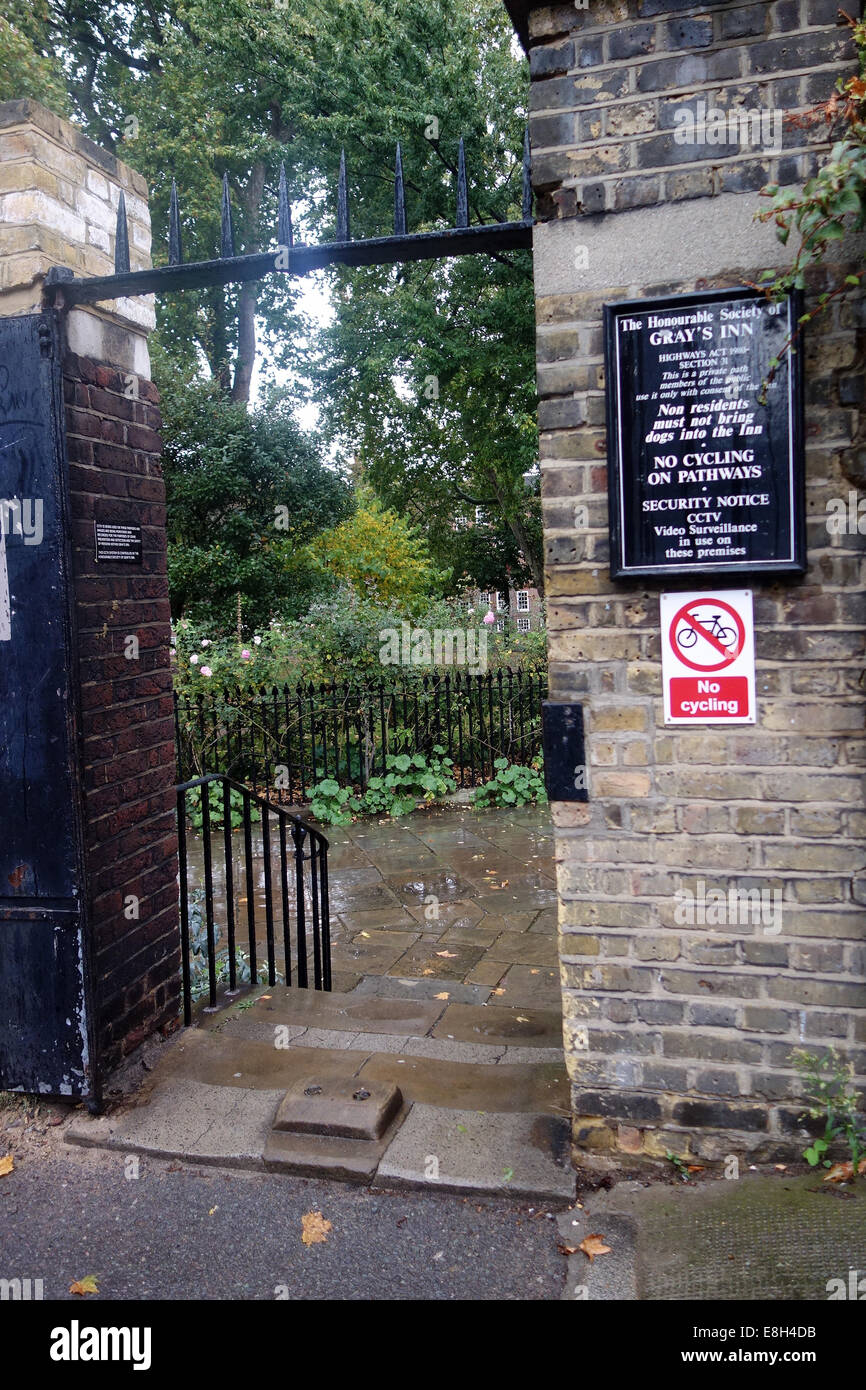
(725, 636)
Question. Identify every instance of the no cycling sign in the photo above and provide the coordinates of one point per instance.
(708, 657)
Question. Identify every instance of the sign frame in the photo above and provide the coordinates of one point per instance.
(619, 471)
(731, 637)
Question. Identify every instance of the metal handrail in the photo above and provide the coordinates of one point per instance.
(311, 866)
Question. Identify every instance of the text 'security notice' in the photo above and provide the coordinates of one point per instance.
(704, 439)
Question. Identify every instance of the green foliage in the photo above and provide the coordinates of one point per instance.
(198, 959)
(379, 556)
(833, 1098)
(337, 639)
(246, 494)
(28, 66)
(833, 202)
(513, 785)
(407, 781)
(332, 804)
(195, 814)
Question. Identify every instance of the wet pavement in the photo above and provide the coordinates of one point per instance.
(459, 897)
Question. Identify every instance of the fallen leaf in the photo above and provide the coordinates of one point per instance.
(521, 1018)
(695, 1168)
(85, 1286)
(265, 996)
(426, 972)
(443, 995)
(844, 1172)
(781, 1167)
(314, 1228)
(449, 955)
(594, 1245)
(497, 991)
(533, 972)
(6, 1165)
(567, 1249)
(212, 1210)
(508, 1174)
(365, 933)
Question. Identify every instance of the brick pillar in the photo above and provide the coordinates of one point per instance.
(58, 208)
(679, 1036)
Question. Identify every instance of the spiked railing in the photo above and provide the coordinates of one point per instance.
(295, 258)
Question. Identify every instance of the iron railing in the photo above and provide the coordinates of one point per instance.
(285, 739)
(206, 894)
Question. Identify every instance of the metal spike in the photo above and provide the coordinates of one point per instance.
(399, 196)
(121, 239)
(343, 233)
(462, 189)
(527, 179)
(175, 246)
(285, 230)
(227, 239)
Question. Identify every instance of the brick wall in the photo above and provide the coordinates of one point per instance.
(678, 1036)
(127, 728)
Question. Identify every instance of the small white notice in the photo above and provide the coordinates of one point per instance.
(708, 657)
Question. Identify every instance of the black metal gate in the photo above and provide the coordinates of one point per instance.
(44, 1024)
(237, 915)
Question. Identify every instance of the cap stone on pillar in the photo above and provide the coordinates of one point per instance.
(58, 207)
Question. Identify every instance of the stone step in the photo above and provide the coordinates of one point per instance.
(437, 1028)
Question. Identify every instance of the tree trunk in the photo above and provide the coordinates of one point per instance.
(245, 361)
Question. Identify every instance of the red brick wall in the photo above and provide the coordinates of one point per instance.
(127, 728)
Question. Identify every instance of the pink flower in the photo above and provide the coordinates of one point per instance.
(194, 659)
(245, 655)
(257, 640)
(205, 641)
(489, 618)
(206, 671)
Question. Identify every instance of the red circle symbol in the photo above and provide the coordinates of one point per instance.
(706, 625)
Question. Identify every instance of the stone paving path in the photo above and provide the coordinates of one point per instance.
(454, 897)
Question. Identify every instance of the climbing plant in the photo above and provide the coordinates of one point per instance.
(832, 203)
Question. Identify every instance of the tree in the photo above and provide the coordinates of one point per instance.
(28, 67)
(379, 556)
(246, 493)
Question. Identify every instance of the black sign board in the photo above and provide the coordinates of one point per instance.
(704, 477)
(117, 544)
(564, 751)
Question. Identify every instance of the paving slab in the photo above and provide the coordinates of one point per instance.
(374, 919)
(449, 961)
(529, 985)
(351, 1013)
(404, 987)
(487, 972)
(374, 952)
(481, 1023)
(510, 1155)
(522, 948)
(469, 1085)
(439, 881)
(454, 914)
(240, 1064)
(189, 1119)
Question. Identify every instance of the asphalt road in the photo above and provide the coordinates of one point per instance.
(196, 1233)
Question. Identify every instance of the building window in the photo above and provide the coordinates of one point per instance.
(484, 600)
(500, 626)
(522, 624)
(502, 603)
(523, 600)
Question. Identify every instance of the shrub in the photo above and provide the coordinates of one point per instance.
(513, 785)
